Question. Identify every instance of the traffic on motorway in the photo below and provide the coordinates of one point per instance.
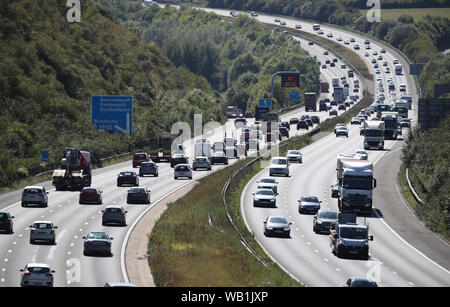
(62, 251)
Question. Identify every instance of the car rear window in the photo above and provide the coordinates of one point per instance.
(310, 199)
(137, 190)
(3, 216)
(140, 156)
(127, 174)
(97, 236)
(113, 210)
(33, 191)
(90, 191)
(38, 270)
(42, 226)
(182, 168)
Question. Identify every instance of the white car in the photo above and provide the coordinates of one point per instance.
(42, 231)
(294, 155)
(268, 183)
(279, 166)
(264, 197)
(182, 170)
(37, 274)
(363, 154)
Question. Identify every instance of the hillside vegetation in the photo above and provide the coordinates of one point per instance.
(238, 57)
(427, 156)
(49, 69)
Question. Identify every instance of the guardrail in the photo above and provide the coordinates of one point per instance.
(413, 192)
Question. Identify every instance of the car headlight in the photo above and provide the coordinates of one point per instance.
(287, 228)
(269, 228)
(319, 222)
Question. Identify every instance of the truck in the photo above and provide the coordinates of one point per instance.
(382, 108)
(408, 100)
(355, 183)
(390, 120)
(335, 82)
(260, 112)
(75, 172)
(202, 148)
(373, 134)
(310, 102)
(316, 27)
(161, 147)
(401, 107)
(338, 95)
(324, 87)
(398, 69)
(348, 238)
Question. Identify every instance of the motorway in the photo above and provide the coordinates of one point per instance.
(75, 221)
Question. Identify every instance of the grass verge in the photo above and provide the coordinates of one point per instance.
(416, 13)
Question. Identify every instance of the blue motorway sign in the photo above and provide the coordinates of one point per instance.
(294, 96)
(113, 113)
(265, 102)
(45, 156)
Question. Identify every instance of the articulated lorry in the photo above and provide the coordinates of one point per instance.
(401, 107)
(161, 147)
(338, 95)
(350, 239)
(75, 172)
(355, 183)
(390, 120)
(310, 102)
(373, 134)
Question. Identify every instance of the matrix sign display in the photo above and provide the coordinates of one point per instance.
(290, 80)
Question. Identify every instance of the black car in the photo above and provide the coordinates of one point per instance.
(323, 107)
(342, 107)
(139, 195)
(333, 102)
(128, 177)
(325, 220)
(286, 125)
(148, 168)
(6, 223)
(355, 282)
(309, 122)
(332, 64)
(302, 125)
(333, 112)
(178, 159)
(304, 117)
(219, 157)
(284, 131)
(315, 119)
(294, 121)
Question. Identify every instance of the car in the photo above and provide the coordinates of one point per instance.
(356, 90)
(341, 107)
(248, 114)
(333, 102)
(277, 226)
(294, 156)
(149, 168)
(219, 157)
(367, 42)
(338, 126)
(330, 35)
(178, 158)
(358, 282)
(127, 177)
(36, 274)
(367, 47)
(42, 231)
(343, 66)
(253, 14)
(97, 243)
(363, 154)
(201, 162)
(91, 195)
(395, 62)
(366, 54)
(34, 195)
(405, 122)
(283, 23)
(352, 40)
(379, 58)
(138, 195)
(308, 203)
(264, 197)
(116, 284)
(6, 222)
(182, 170)
(324, 66)
(309, 122)
(333, 112)
(347, 104)
(277, 20)
(294, 121)
(325, 52)
(332, 64)
(139, 158)
(310, 43)
(240, 122)
(375, 52)
(285, 124)
(346, 42)
(268, 183)
(383, 50)
(279, 166)
(339, 39)
(315, 119)
(114, 215)
(387, 71)
(327, 61)
(341, 131)
(284, 131)
(320, 32)
(325, 220)
(356, 47)
(302, 125)
(298, 26)
(355, 121)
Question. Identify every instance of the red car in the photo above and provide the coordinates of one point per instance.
(298, 26)
(139, 158)
(91, 195)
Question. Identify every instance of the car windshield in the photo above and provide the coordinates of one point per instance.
(42, 226)
(310, 199)
(328, 215)
(98, 236)
(279, 161)
(358, 182)
(294, 152)
(374, 133)
(268, 180)
(353, 233)
(38, 270)
(278, 220)
(264, 192)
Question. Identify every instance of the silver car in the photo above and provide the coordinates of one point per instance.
(182, 170)
(294, 156)
(363, 154)
(279, 166)
(37, 275)
(201, 162)
(97, 243)
(114, 215)
(310, 204)
(42, 231)
(268, 183)
(277, 226)
(34, 195)
(264, 197)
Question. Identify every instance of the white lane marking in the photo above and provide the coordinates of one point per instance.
(410, 283)
(326, 260)
(337, 269)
